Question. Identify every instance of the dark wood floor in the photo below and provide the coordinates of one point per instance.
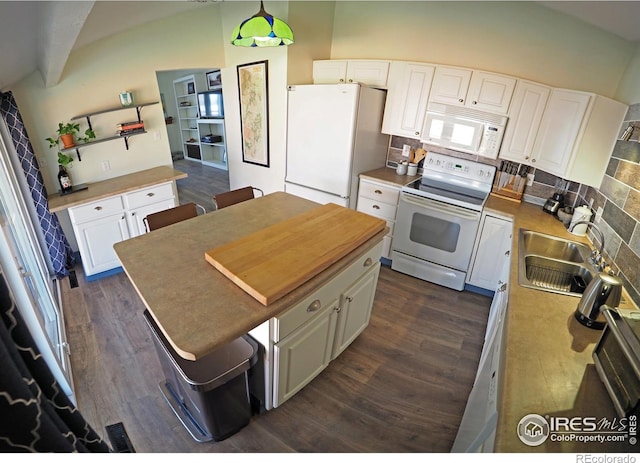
(202, 183)
(400, 387)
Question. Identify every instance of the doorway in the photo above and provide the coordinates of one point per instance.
(198, 146)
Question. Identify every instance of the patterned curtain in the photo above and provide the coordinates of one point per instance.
(35, 414)
(59, 249)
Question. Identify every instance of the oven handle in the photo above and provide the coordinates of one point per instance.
(439, 207)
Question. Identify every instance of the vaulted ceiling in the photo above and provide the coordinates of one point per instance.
(40, 35)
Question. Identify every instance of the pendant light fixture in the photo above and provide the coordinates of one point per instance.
(262, 30)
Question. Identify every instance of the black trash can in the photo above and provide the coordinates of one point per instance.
(210, 396)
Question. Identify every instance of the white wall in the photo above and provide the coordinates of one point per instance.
(517, 38)
(629, 89)
(97, 73)
(240, 173)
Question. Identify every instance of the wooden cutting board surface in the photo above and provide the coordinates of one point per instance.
(274, 261)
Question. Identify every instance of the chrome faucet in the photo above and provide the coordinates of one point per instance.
(596, 256)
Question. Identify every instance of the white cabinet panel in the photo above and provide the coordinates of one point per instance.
(356, 305)
(450, 85)
(149, 195)
(491, 250)
(368, 72)
(302, 340)
(409, 86)
(99, 225)
(96, 239)
(96, 210)
(304, 354)
(525, 115)
(379, 200)
(490, 92)
(481, 90)
(559, 130)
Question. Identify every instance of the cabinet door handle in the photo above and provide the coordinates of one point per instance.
(417, 133)
(314, 306)
(150, 194)
(368, 262)
(378, 192)
(474, 102)
(461, 100)
(507, 253)
(375, 206)
(533, 160)
(98, 208)
(337, 309)
(349, 298)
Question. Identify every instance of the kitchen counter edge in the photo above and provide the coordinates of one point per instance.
(114, 186)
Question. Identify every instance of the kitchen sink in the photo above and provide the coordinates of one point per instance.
(553, 247)
(550, 263)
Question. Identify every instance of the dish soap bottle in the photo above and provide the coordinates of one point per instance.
(64, 180)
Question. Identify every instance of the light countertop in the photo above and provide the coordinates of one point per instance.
(197, 307)
(547, 365)
(114, 186)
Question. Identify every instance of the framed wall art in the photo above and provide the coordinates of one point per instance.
(214, 80)
(254, 112)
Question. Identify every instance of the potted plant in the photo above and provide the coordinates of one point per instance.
(67, 133)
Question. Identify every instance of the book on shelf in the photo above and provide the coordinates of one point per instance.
(130, 131)
(131, 125)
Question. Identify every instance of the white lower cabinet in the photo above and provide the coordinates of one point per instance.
(301, 356)
(304, 339)
(379, 200)
(477, 429)
(96, 239)
(491, 249)
(100, 224)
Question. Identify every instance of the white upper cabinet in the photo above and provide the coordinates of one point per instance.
(525, 115)
(559, 130)
(577, 134)
(481, 90)
(368, 72)
(409, 85)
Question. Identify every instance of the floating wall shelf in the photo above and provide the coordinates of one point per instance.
(88, 116)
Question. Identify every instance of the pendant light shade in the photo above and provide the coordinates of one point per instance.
(262, 30)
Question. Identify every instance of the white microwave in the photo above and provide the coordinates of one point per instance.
(463, 129)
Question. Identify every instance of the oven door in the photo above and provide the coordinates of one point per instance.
(434, 231)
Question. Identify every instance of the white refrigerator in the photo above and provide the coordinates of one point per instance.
(333, 135)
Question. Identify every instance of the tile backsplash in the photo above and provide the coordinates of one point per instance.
(618, 196)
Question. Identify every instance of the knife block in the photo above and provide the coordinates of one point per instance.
(508, 191)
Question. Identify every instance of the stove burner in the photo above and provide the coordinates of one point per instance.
(454, 181)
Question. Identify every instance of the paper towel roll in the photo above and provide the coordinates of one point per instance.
(579, 214)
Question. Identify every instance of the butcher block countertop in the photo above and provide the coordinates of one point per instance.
(274, 261)
(197, 307)
(547, 364)
(114, 186)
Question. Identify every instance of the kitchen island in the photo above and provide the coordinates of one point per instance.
(199, 309)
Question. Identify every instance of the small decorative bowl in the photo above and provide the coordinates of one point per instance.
(564, 215)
